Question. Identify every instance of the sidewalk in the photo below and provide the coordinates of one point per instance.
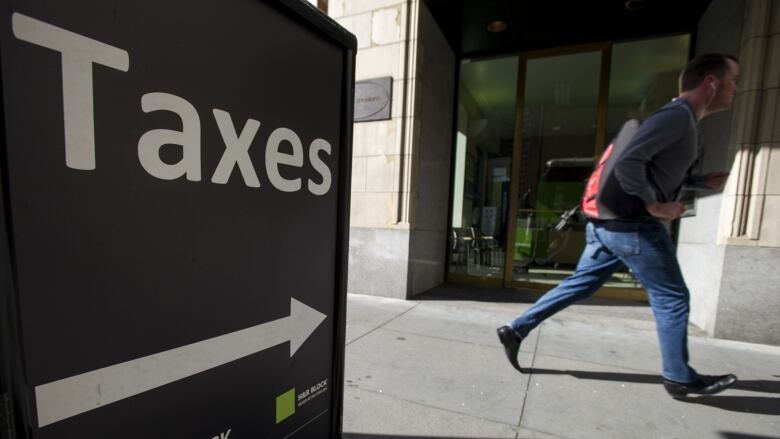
(433, 367)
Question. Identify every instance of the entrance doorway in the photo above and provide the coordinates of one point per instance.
(530, 127)
(558, 114)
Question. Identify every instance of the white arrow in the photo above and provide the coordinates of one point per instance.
(72, 396)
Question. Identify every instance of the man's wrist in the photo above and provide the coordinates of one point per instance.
(648, 196)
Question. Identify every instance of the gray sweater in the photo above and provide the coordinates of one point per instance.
(655, 163)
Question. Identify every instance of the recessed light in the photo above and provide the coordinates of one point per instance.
(497, 26)
(635, 5)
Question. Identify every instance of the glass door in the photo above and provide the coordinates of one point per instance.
(482, 163)
(528, 129)
(561, 112)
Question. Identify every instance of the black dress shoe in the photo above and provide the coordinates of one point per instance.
(511, 342)
(704, 385)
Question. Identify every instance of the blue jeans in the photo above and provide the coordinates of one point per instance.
(644, 246)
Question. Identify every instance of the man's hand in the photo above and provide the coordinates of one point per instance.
(716, 180)
(666, 211)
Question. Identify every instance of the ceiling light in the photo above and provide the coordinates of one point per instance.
(635, 5)
(497, 26)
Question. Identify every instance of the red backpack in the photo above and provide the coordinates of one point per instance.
(603, 179)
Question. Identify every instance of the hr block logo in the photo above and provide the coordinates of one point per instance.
(312, 392)
(287, 401)
(285, 405)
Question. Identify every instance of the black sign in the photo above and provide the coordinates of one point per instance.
(176, 194)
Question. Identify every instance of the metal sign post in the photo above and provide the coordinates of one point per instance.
(175, 206)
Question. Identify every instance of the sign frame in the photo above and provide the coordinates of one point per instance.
(15, 401)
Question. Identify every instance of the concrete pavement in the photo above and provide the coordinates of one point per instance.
(433, 367)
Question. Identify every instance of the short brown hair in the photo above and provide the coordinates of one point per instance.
(698, 68)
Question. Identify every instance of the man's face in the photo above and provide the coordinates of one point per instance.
(726, 89)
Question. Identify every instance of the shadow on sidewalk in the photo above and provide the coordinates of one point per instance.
(741, 404)
(385, 436)
(733, 435)
(722, 434)
(764, 386)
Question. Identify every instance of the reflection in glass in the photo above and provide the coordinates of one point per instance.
(559, 134)
(557, 150)
(482, 166)
(644, 77)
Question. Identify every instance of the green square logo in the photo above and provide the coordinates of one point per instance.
(285, 405)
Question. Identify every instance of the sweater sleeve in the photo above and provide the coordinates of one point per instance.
(657, 133)
(696, 182)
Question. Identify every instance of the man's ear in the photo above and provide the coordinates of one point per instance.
(712, 81)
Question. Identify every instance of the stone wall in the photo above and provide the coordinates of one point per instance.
(749, 298)
(701, 256)
(730, 251)
(397, 247)
(430, 195)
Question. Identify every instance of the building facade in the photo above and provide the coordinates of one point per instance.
(494, 118)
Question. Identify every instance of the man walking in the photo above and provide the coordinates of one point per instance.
(649, 174)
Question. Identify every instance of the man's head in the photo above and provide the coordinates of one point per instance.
(714, 76)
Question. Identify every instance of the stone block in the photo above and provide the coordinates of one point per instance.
(352, 7)
(378, 262)
(772, 60)
(703, 280)
(398, 98)
(774, 21)
(757, 15)
(360, 25)
(413, 132)
(415, 96)
(726, 225)
(751, 62)
(433, 190)
(379, 61)
(359, 174)
(760, 170)
(702, 228)
(373, 209)
(770, 223)
(755, 207)
(768, 125)
(336, 8)
(748, 303)
(746, 117)
(426, 260)
(744, 163)
(376, 138)
(773, 178)
(720, 27)
(386, 26)
(731, 184)
(432, 212)
(382, 172)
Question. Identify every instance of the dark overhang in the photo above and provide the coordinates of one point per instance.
(532, 25)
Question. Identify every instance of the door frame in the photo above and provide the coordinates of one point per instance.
(601, 124)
